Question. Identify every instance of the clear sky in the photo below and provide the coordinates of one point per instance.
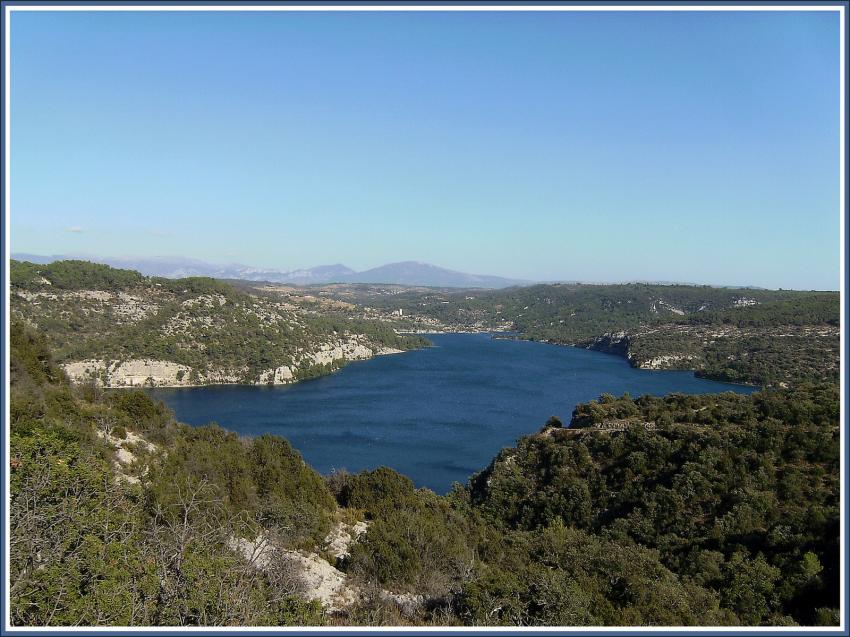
(697, 147)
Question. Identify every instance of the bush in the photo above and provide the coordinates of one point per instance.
(377, 491)
(290, 494)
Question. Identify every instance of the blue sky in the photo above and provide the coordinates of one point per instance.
(698, 147)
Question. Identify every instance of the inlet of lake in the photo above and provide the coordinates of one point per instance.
(437, 415)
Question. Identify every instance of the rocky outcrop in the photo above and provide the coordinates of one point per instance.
(124, 307)
(160, 373)
(342, 536)
(351, 348)
(621, 343)
(668, 361)
(612, 343)
(124, 453)
(322, 581)
(86, 371)
(277, 376)
(132, 373)
(744, 301)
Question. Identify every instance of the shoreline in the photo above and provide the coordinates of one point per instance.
(257, 384)
(495, 334)
(518, 337)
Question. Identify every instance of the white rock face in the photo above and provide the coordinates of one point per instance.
(141, 372)
(349, 349)
(342, 536)
(83, 371)
(277, 376)
(665, 362)
(158, 373)
(324, 583)
(123, 456)
(322, 580)
(352, 348)
(221, 377)
(744, 301)
(132, 373)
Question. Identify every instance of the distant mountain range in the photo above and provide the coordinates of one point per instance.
(403, 273)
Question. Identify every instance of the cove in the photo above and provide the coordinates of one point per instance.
(438, 414)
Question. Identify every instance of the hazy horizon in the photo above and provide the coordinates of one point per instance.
(505, 275)
(598, 147)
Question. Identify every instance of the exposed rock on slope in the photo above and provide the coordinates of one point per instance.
(125, 453)
(322, 581)
(118, 329)
(132, 373)
(718, 350)
(161, 373)
(342, 536)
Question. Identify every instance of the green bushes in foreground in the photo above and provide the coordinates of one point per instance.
(699, 510)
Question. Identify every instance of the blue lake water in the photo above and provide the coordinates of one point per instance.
(437, 415)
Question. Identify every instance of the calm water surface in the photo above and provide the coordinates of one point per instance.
(437, 415)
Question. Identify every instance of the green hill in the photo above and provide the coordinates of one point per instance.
(196, 330)
(762, 337)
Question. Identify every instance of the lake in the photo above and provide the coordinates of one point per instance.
(437, 415)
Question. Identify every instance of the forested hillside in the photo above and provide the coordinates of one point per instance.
(121, 328)
(736, 494)
(709, 510)
(755, 336)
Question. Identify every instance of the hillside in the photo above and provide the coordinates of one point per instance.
(761, 337)
(735, 494)
(207, 331)
(121, 328)
(684, 510)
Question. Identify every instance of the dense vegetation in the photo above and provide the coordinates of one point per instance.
(744, 335)
(71, 275)
(93, 546)
(736, 494)
(704, 510)
(91, 311)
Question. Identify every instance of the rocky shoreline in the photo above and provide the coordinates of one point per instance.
(135, 373)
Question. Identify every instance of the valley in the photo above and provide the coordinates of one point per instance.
(760, 337)
(548, 485)
(682, 510)
(432, 317)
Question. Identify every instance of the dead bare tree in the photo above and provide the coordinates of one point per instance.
(105, 424)
(198, 526)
